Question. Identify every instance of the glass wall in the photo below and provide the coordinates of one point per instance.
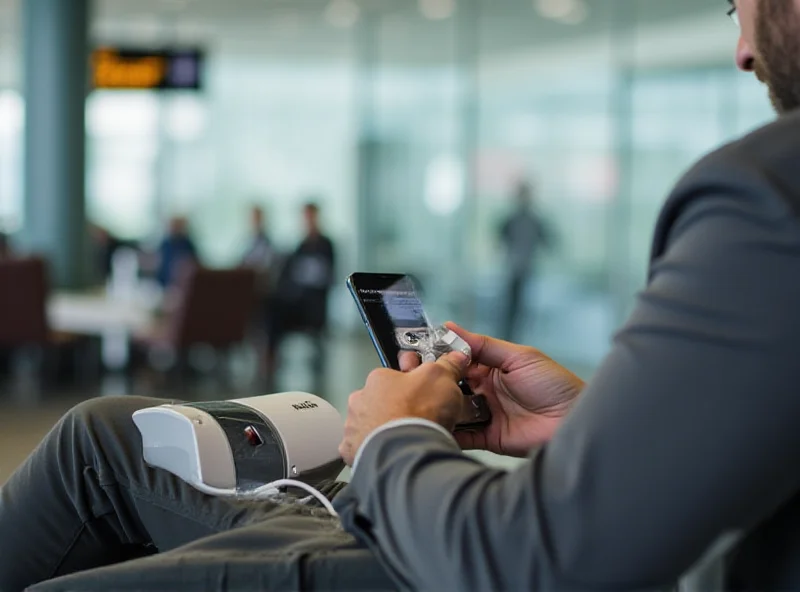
(603, 123)
(412, 153)
(412, 123)
(11, 118)
(548, 118)
(600, 108)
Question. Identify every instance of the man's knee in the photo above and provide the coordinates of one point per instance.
(110, 409)
(101, 433)
(106, 416)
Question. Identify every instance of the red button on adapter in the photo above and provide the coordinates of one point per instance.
(253, 436)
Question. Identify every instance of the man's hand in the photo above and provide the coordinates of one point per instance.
(528, 393)
(429, 391)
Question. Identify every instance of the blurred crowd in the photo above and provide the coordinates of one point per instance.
(287, 292)
(267, 295)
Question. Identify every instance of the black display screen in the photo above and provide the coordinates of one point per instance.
(392, 311)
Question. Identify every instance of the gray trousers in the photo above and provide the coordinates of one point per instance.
(84, 512)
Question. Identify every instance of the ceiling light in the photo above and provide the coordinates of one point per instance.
(570, 12)
(555, 9)
(577, 15)
(342, 14)
(437, 10)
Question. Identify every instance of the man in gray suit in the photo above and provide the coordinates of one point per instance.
(687, 432)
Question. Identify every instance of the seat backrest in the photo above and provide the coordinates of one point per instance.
(215, 307)
(23, 301)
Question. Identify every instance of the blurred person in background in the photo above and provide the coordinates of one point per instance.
(300, 302)
(176, 251)
(260, 253)
(261, 256)
(524, 235)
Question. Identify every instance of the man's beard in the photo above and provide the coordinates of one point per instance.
(778, 49)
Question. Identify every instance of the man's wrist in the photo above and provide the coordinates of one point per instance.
(398, 423)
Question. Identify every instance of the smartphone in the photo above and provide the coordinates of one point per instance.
(392, 311)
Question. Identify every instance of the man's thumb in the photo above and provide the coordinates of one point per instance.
(485, 350)
(455, 363)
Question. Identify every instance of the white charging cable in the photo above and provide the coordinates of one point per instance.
(269, 490)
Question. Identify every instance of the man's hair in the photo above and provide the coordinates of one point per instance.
(312, 207)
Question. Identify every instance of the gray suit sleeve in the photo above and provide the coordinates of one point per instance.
(688, 430)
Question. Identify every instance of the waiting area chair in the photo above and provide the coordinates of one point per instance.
(212, 308)
(24, 326)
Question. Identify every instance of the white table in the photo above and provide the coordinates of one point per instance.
(114, 320)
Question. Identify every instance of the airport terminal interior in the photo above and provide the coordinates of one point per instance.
(415, 128)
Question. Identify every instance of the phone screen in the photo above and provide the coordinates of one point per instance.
(392, 310)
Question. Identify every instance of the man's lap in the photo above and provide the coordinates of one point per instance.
(284, 551)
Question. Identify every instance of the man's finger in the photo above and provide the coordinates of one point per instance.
(345, 452)
(485, 350)
(478, 372)
(455, 364)
(408, 360)
(469, 440)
